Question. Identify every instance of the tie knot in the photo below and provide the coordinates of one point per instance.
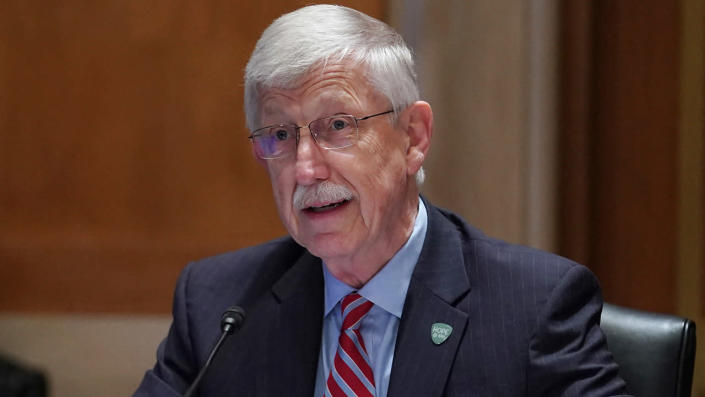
(354, 307)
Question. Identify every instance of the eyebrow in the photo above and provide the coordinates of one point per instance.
(321, 116)
(276, 114)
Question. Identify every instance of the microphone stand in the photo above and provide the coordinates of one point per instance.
(232, 320)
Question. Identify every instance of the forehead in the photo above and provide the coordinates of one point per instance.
(339, 86)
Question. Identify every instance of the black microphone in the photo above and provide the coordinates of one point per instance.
(232, 320)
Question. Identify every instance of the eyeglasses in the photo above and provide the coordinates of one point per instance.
(335, 132)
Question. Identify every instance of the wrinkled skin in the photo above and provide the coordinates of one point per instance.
(354, 238)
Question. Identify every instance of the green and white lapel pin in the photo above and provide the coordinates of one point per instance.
(440, 332)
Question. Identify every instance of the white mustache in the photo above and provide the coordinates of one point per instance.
(324, 192)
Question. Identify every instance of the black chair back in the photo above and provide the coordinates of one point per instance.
(655, 352)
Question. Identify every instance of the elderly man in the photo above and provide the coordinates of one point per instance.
(375, 292)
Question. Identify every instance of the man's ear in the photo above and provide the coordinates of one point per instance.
(419, 127)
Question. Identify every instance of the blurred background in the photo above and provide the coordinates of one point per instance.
(575, 127)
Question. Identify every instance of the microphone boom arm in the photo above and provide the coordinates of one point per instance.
(232, 320)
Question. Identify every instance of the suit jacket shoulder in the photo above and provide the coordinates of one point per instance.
(525, 322)
(279, 285)
(239, 275)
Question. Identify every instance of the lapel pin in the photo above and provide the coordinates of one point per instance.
(440, 332)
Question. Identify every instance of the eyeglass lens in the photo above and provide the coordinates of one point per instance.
(334, 132)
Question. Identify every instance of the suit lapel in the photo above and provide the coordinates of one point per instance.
(294, 334)
(439, 281)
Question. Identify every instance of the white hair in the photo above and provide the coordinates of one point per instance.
(420, 176)
(298, 42)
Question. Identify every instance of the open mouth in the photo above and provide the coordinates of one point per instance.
(326, 207)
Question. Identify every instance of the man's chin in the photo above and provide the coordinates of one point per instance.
(329, 246)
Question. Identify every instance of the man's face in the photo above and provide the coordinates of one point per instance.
(372, 211)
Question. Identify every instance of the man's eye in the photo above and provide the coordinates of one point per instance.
(281, 134)
(339, 124)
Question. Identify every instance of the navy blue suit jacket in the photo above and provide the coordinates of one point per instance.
(525, 323)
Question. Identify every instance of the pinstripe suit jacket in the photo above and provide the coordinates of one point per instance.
(525, 323)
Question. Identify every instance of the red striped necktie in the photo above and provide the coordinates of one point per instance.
(351, 374)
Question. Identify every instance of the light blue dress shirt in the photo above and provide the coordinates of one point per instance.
(387, 290)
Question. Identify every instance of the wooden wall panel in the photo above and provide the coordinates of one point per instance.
(123, 150)
(635, 151)
(620, 126)
(575, 127)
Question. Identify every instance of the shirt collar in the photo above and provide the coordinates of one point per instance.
(387, 289)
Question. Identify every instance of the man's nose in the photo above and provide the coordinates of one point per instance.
(311, 165)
